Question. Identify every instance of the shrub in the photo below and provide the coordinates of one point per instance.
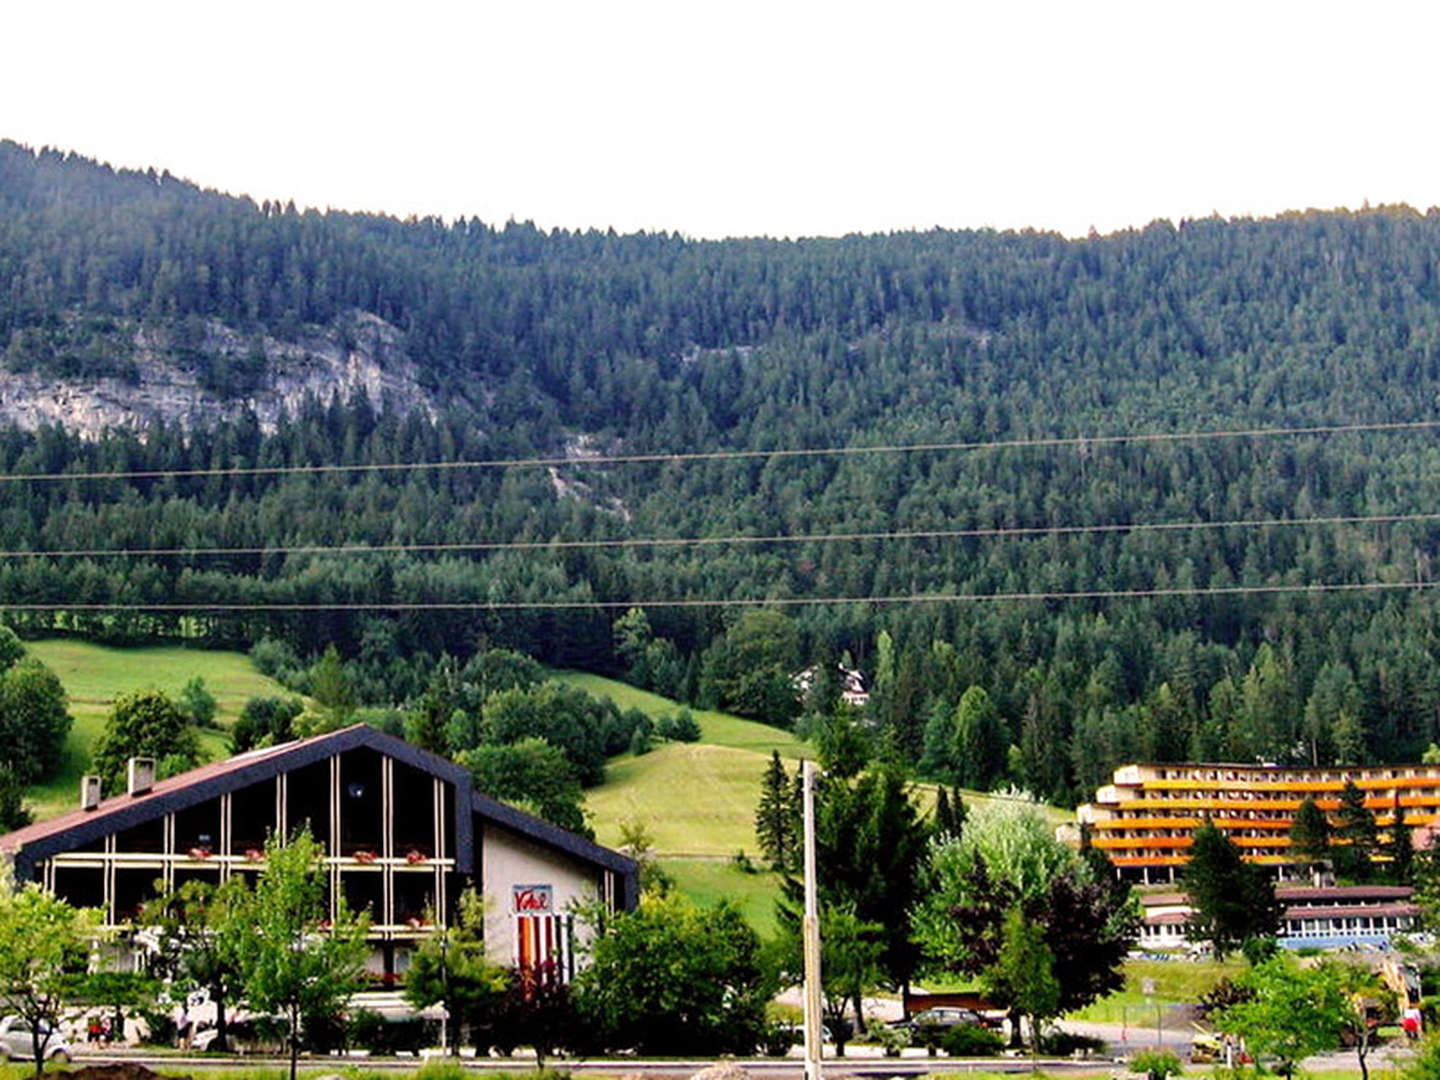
(1156, 1064)
(440, 1070)
(1222, 995)
(890, 1039)
(679, 727)
(161, 1024)
(366, 1030)
(778, 1039)
(971, 1040)
(1065, 1043)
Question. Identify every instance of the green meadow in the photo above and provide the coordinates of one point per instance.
(94, 675)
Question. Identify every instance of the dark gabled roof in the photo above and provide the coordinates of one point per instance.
(551, 835)
(71, 830)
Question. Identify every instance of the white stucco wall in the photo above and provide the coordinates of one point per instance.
(508, 860)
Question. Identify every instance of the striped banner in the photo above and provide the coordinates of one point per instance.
(543, 946)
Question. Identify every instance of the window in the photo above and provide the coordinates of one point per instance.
(361, 809)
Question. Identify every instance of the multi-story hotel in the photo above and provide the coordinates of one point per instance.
(1145, 819)
(403, 830)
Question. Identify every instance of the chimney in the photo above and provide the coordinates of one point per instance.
(89, 792)
(140, 774)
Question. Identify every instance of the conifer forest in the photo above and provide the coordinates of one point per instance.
(626, 461)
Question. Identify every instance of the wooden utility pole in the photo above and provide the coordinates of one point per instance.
(811, 931)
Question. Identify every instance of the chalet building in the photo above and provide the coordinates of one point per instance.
(1144, 820)
(404, 832)
(1322, 917)
(851, 681)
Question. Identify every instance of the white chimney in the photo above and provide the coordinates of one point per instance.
(89, 792)
(140, 775)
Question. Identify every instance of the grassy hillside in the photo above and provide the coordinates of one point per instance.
(718, 728)
(698, 799)
(94, 675)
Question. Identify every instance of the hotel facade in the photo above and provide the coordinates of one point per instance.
(1145, 819)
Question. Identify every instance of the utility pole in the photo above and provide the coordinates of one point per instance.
(810, 929)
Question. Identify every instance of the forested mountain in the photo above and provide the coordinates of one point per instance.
(534, 344)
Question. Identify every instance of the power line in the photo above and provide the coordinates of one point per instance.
(794, 601)
(737, 539)
(1049, 442)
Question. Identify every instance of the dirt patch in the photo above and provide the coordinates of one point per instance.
(120, 1070)
(724, 1070)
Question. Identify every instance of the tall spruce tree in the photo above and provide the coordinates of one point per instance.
(1356, 834)
(949, 812)
(1233, 901)
(1310, 835)
(1401, 849)
(774, 820)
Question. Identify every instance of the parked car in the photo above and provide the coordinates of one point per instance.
(17, 1041)
(943, 1016)
(247, 1035)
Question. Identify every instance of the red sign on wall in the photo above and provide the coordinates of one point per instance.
(533, 899)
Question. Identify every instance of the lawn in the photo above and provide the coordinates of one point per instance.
(696, 799)
(1175, 982)
(709, 881)
(94, 675)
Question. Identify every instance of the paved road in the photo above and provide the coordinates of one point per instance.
(864, 1063)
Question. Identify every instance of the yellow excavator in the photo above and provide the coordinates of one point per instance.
(1403, 980)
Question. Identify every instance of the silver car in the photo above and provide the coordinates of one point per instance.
(16, 1041)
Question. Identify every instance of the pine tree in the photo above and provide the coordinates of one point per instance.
(1310, 834)
(1232, 900)
(1401, 848)
(773, 822)
(949, 813)
(795, 808)
(1356, 832)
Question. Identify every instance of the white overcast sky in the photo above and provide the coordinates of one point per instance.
(742, 118)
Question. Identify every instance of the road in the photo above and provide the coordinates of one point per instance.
(860, 1062)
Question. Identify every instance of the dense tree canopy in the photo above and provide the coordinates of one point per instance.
(560, 345)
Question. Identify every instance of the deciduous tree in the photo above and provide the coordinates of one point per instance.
(669, 978)
(299, 963)
(144, 723)
(451, 968)
(1008, 858)
(44, 944)
(1296, 1012)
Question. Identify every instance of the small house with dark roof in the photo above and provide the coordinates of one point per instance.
(404, 833)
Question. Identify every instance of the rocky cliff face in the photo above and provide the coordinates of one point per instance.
(172, 376)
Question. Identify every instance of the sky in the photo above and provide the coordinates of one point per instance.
(782, 118)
